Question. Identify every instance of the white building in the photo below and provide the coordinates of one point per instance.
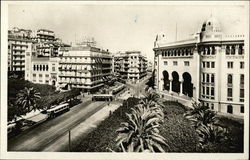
(84, 67)
(131, 65)
(208, 67)
(42, 70)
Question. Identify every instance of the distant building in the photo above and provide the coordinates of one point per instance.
(150, 67)
(19, 42)
(208, 67)
(42, 41)
(131, 66)
(84, 67)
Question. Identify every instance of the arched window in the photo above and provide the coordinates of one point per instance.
(208, 78)
(212, 78)
(230, 109)
(208, 50)
(227, 50)
(213, 50)
(240, 50)
(175, 52)
(233, 50)
(34, 67)
(229, 79)
(41, 67)
(47, 67)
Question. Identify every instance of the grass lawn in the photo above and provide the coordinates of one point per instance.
(179, 135)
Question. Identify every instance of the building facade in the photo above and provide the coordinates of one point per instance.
(131, 66)
(19, 42)
(42, 70)
(84, 67)
(208, 67)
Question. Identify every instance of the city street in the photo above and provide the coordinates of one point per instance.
(38, 138)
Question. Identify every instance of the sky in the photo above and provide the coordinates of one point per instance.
(123, 26)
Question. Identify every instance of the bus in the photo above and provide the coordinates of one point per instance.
(102, 97)
(53, 112)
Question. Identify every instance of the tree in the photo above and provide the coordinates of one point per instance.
(141, 132)
(27, 99)
(205, 122)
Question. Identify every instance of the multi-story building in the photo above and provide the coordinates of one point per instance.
(84, 67)
(47, 43)
(131, 65)
(19, 42)
(42, 70)
(208, 67)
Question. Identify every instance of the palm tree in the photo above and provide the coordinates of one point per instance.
(205, 122)
(27, 99)
(141, 132)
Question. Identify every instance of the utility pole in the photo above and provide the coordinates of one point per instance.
(69, 142)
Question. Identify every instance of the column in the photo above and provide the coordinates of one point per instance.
(181, 87)
(170, 85)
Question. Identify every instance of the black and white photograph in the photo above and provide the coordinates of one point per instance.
(125, 80)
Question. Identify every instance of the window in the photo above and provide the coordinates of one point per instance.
(175, 63)
(227, 50)
(241, 93)
(229, 79)
(229, 92)
(212, 78)
(212, 91)
(165, 62)
(233, 50)
(207, 89)
(213, 50)
(212, 64)
(230, 109)
(203, 64)
(241, 65)
(47, 67)
(203, 77)
(229, 64)
(53, 68)
(242, 109)
(242, 79)
(186, 63)
(207, 78)
(34, 67)
(34, 75)
(40, 75)
(208, 64)
(203, 90)
(240, 51)
(46, 75)
(212, 106)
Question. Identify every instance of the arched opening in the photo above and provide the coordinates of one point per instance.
(187, 84)
(53, 82)
(166, 80)
(175, 82)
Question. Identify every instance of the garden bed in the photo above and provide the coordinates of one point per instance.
(179, 135)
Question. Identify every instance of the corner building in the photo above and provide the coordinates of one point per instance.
(84, 67)
(208, 67)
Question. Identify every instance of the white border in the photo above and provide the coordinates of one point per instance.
(95, 156)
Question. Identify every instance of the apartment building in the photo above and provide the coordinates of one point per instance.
(131, 66)
(85, 67)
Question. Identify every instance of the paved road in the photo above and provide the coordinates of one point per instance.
(38, 138)
(138, 89)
